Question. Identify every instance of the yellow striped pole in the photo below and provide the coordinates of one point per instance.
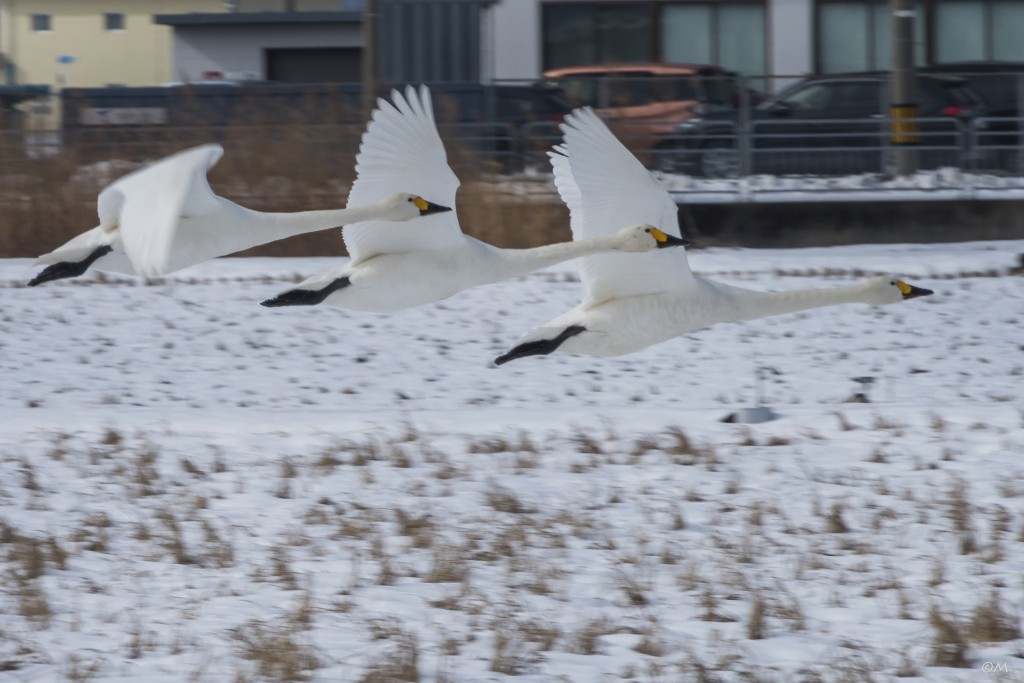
(903, 124)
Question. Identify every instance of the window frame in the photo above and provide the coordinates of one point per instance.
(654, 38)
(107, 16)
(929, 23)
(44, 17)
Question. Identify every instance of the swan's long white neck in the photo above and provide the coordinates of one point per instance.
(745, 304)
(516, 262)
(275, 226)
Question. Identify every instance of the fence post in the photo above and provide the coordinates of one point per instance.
(1019, 157)
(903, 112)
(744, 138)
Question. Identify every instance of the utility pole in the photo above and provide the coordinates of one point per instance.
(903, 110)
(369, 57)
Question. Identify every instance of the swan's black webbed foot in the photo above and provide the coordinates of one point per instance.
(540, 347)
(306, 297)
(65, 269)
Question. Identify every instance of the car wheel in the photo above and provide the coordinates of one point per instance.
(719, 162)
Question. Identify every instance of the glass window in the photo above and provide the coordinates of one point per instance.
(577, 34)
(858, 96)
(41, 22)
(857, 36)
(1007, 29)
(844, 35)
(686, 34)
(624, 34)
(729, 35)
(113, 21)
(959, 30)
(569, 35)
(741, 38)
(814, 96)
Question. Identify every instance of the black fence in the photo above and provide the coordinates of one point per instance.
(509, 127)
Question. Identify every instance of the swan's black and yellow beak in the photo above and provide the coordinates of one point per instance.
(912, 292)
(426, 208)
(665, 240)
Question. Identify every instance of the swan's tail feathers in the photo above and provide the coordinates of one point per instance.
(912, 292)
(306, 297)
(539, 347)
(65, 269)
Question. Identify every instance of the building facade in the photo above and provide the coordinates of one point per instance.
(754, 37)
(90, 43)
(417, 41)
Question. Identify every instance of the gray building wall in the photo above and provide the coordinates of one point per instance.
(516, 47)
(790, 36)
(237, 51)
(431, 41)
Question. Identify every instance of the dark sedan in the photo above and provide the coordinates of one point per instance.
(825, 125)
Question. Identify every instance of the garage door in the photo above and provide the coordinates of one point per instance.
(314, 65)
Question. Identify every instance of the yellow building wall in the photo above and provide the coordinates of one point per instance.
(138, 55)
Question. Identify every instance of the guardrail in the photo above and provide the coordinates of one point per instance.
(836, 147)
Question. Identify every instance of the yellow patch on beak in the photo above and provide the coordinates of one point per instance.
(904, 287)
(659, 235)
(420, 203)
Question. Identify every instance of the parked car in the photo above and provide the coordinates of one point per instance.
(996, 83)
(1001, 86)
(508, 126)
(829, 125)
(643, 102)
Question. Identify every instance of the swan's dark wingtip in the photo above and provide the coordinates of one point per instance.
(58, 271)
(306, 297)
(294, 297)
(502, 359)
(65, 269)
(539, 347)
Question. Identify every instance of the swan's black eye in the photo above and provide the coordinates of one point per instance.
(892, 282)
(647, 230)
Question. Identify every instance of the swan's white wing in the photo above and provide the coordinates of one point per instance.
(401, 151)
(147, 205)
(567, 188)
(616, 190)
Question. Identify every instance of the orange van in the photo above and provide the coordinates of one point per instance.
(644, 102)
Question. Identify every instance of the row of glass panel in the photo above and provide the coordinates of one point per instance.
(849, 36)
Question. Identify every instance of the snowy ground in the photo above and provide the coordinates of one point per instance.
(193, 487)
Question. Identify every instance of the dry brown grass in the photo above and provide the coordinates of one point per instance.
(276, 651)
(990, 623)
(47, 201)
(400, 664)
(950, 645)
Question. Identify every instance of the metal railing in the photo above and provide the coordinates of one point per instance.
(703, 146)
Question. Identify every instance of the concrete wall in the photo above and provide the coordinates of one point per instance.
(516, 48)
(237, 51)
(790, 37)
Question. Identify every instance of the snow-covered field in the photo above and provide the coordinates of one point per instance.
(195, 488)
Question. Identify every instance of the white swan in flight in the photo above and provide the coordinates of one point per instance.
(398, 266)
(164, 217)
(632, 301)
